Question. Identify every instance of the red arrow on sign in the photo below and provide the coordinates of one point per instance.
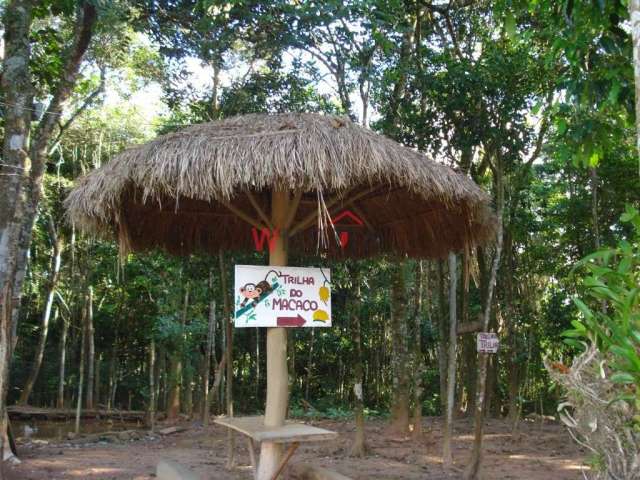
(296, 321)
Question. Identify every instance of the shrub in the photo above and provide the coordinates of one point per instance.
(602, 383)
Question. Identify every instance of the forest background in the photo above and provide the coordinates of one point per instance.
(534, 100)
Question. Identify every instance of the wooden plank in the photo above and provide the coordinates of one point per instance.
(26, 411)
(289, 432)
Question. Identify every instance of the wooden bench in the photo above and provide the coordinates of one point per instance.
(292, 433)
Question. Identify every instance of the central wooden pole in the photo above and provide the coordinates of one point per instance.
(277, 376)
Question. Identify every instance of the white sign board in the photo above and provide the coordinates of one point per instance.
(487, 342)
(282, 296)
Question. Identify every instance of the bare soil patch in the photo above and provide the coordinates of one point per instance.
(539, 451)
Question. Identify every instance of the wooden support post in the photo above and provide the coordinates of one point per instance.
(283, 463)
(447, 455)
(252, 453)
(277, 375)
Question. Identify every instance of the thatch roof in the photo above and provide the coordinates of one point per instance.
(174, 192)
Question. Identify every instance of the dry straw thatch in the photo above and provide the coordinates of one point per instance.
(182, 191)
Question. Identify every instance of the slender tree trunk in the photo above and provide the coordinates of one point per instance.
(96, 384)
(491, 383)
(309, 365)
(152, 386)
(634, 13)
(513, 366)
(451, 377)
(418, 357)
(217, 379)
(91, 351)
(228, 329)
(291, 346)
(258, 386)
(175, 367)
(514, 388)
(83, 339)
(207, 362)
(61, 371)
(359, 447)
(175, 373)
(161, 383)
(442, 338)
(188, 390)
(113, 370)
(114, 390)
(393, 110)
(46, 315)
(399, 342)
(473, 470)
(468, 354)
(216, 85)
(593, 174)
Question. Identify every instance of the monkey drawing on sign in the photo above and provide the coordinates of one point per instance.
(255, 292)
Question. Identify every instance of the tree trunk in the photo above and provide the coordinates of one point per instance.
(258, 386)
(400, 370)
(359, 447)
(96, 383)
(451, 376)
(152, 386)
(634, 13)
(418, 357)
(216, 86)
(442, 339)
(17, 90)
(468, 354)
(21, 173)
(175, 373)
(514, 388)
(291, 345)
(207, 363)
(473, 470)
(175, 365)
(161, 379)
(113, 370)
(277, 376)
(393, 110)
(91, 351)
(83, 339)
(593, 175)
(188, 390)
(61, 371)
(309, 365)
(228, 329)
(46, 315)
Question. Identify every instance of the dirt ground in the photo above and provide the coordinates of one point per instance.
(539, 451)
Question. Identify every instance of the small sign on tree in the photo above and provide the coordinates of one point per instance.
(487, 342)
(282, 296)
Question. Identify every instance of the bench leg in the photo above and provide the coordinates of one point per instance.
(252, 453)
(283, 463)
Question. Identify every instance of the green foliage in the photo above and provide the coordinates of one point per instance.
(465, 87)
(609, 305)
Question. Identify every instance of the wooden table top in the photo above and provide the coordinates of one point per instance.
(255, 428)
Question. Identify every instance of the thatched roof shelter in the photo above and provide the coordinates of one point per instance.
(198, 189)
